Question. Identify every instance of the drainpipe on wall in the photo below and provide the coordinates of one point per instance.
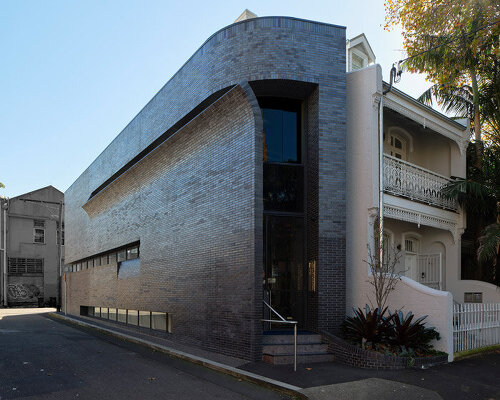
(59, 253)
(5, 206)
(381, 180)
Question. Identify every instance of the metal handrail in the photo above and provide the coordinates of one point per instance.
(282, 320)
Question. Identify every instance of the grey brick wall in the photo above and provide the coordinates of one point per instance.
(197, 258)
(197, 210)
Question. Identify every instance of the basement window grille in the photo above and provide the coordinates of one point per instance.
(25, 266)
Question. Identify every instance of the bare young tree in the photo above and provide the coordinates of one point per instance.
(384, 275)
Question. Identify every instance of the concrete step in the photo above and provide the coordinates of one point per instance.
(282, 359)
(278, 348)
(303, 338)
(314, 348)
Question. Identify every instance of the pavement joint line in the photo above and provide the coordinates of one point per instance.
(214, 365)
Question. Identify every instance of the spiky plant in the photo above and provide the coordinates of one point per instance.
(367, 326)
(408, 333)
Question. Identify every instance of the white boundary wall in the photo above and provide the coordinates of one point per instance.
(422, 300)
(491, 293)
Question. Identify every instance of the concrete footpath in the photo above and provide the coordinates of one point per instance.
(473, 378)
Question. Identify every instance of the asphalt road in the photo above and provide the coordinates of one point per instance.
(44, 359)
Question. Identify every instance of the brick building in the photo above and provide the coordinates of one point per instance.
(31, 276)
(227, 189)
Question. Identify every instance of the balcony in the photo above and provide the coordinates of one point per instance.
(404, 179)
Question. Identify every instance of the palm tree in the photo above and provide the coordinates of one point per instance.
(479, 195)
(459, 101)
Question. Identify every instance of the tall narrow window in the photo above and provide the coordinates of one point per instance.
(281, 131)
(39, 231)
(60, 234)
(283, 170)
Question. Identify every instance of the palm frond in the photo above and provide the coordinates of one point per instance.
(427, 96)
(453, 99)
(489, 243)
(474, 196)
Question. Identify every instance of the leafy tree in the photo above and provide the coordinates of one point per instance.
(455, 43)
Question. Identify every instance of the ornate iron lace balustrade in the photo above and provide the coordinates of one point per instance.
(404, 179)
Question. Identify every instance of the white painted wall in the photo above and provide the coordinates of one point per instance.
(431, 240)
(491, 293)
(364, 88)
(436, 304)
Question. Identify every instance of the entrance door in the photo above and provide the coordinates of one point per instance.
(430, 271)
(284, 278)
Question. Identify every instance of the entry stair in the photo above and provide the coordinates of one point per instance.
(278, 348)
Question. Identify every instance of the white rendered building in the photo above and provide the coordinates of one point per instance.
(423, 150)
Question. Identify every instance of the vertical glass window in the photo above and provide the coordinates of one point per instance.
(104, 260)
(281, 131)
(104, 312)
(122, 315)
(290, 140)
(97, 311)
(273, 129)
(284, 264)
(122, 255)
(112, 314)
(132, 317)
(145, 319)
(159, 321)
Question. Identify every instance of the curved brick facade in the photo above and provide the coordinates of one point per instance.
(195, 203)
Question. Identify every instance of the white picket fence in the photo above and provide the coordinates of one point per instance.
(475, 326)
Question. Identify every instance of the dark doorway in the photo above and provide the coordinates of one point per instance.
(284, 266)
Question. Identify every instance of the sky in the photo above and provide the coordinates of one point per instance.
(74, 73)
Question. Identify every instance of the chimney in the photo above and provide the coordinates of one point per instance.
(247, 14)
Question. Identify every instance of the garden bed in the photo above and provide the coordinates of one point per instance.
(355, 356)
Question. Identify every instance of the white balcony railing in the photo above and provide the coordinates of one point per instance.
(402, 178)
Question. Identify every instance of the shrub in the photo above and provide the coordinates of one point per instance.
(367, 326)
(409, 334)
(393, 334)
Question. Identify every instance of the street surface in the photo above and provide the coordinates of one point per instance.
(44, 359)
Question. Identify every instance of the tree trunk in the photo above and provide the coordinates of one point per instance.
(477, 122)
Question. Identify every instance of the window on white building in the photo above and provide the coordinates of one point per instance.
(398, 146)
